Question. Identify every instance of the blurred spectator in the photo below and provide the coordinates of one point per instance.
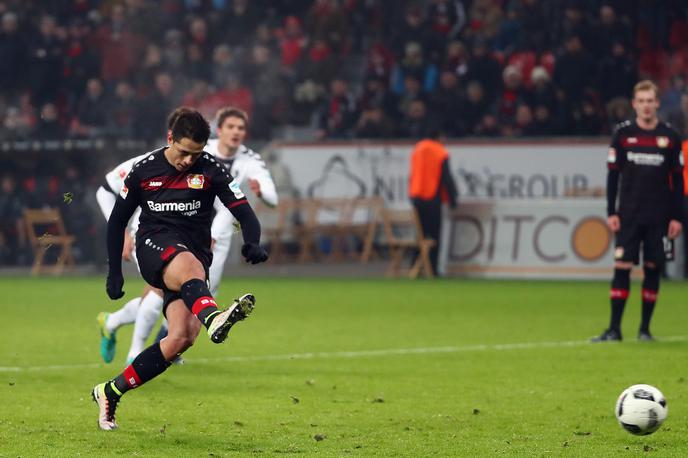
(618, 73)
(456, 58)
(337, 112)
(446, 102)
(679, 119)
(415, 65)
(512, 95)
(484, 68)
(199, 37)
(80, 62)
(239, 21)
(91, 113)
(375, 94)
(14, 126)
(412, 92)
(573, 73)
(542, 92)
(523, 125)
(485, 19)
(475, 108)
(618, 110)
(609, 31)
(149, 67)
(118, 46)
(232, 94)
(262, 72)
(574, 23)
(380, 62)
(511, 33)
(292, 42)
(49, 126)
(155, 107)
(670, 100)
(534, 24)
(543, 124)
(374, 123)
(223, 65)
(196, 66)
(142, 18)
(318, 63)
(416, 122)
(412, 30)
(12, 53)
(173, 51)
(13, 245)
(45, 61)
(123, 111)
(326, 21)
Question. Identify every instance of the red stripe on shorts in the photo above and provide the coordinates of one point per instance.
(169, 251)
(649, 295)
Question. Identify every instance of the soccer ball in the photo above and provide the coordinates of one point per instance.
(641, 409)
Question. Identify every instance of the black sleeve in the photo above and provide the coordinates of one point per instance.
(127, 201)
(447, 182)
(677, 195)
(612, 190)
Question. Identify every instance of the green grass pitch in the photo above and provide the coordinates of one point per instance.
(349, 368)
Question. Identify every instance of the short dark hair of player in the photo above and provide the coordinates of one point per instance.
(231, 112)
(646, 85)
(172, 118)
(191, 124)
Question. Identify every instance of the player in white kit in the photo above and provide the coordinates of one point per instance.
(248, 169)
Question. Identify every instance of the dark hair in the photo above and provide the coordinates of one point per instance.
(190, 124)
(172, 118)
(230, 112)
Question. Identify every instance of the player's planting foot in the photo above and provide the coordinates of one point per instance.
(610, 335)
(223, 321)
(107, 339)
(645, 337)
(107, 405)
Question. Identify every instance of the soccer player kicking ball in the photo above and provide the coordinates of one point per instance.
(175, 187)
(646, 154)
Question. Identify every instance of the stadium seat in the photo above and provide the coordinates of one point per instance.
(45, 228)
(403, 234)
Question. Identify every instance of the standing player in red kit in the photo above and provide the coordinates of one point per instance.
(645, 154)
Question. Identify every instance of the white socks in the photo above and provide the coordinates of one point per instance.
(147, 316)
(125, 315)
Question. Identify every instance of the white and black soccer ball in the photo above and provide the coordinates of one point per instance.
(641, 409)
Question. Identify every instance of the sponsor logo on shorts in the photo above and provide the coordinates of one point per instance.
(124, 192)
(174, 206)
(195, 181)
(611, 158)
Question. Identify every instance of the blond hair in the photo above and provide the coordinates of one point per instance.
(645, 85)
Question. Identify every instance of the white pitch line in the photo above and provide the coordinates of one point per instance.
(350, 354)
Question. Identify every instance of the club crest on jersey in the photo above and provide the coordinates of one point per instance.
(195, 181)
(124, 192)
(662, 142)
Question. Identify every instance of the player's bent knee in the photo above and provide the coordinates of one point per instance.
(623, 265)
(650, 265)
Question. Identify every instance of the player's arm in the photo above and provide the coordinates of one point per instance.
(448, 183)
(128, 200)
(615, 160)
(677, 186)
(229, 193)
(262, 184)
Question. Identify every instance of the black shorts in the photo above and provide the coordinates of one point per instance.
(154, 252)
(630, 236)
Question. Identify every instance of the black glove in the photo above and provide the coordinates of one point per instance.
(254, 253)
(113, 286)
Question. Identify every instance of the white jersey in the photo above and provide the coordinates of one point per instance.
(115, 180)
(246, 164)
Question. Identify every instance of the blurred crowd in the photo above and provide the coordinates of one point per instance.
(344, 68)
(327, 69)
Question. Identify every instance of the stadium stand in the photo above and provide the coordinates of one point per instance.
(107, 70)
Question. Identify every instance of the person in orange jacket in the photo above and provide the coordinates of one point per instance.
(430, 185)
(684, 147)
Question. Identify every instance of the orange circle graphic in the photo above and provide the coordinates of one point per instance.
(591, 238)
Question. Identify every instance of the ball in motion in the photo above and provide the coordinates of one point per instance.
(641, 409)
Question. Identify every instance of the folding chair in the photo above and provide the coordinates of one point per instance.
(45, 228)
(403, 234)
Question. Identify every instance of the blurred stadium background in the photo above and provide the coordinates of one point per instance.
(526, 93)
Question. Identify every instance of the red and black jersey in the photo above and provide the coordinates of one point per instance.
(648, 162)
(179, 202)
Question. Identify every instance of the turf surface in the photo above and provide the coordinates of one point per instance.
(349, 367)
